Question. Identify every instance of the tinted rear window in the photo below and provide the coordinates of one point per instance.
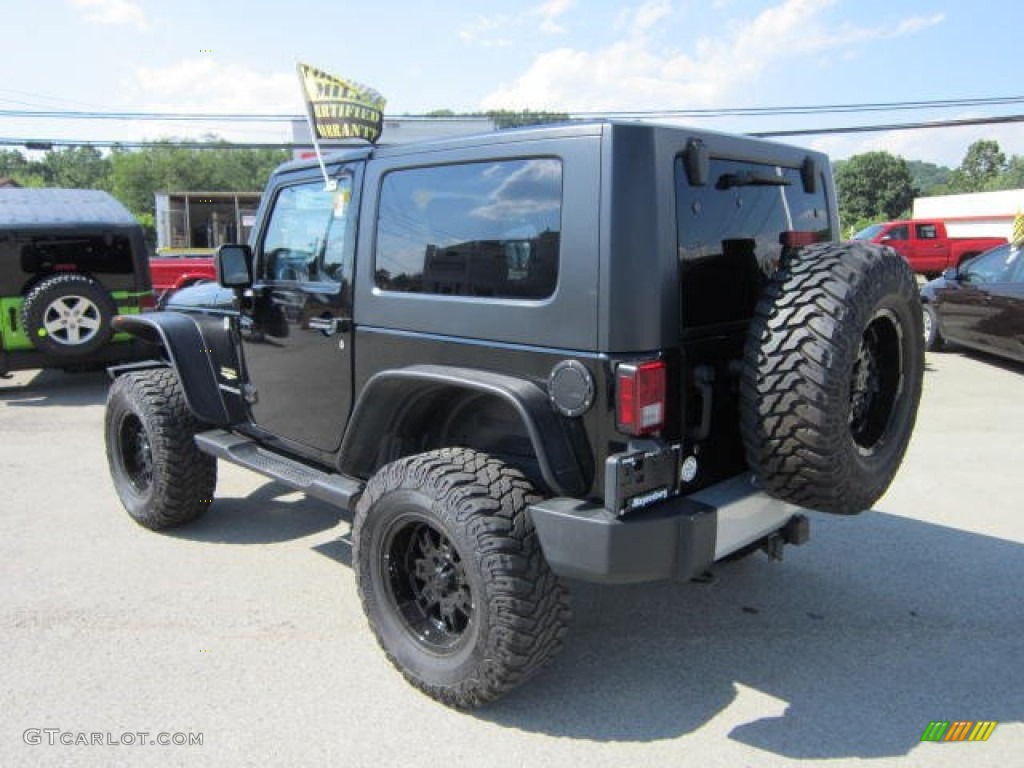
(477, 229)
(731, 233)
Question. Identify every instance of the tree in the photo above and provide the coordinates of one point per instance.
(929, 178)
(874, 186)
(504, 118)
(136, 176)
(1013, 176)
(981, 168)
(76, 168)
(14, 165)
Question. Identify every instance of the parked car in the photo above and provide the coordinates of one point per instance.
(979, 305)
(173, 272)
(70, 259)
(925, 244)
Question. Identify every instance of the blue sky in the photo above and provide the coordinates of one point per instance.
(566, 55)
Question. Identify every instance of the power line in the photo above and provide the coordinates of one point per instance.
(891, 106)
(893, 127)
(46, 144)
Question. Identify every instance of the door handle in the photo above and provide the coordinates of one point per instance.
(328, 325)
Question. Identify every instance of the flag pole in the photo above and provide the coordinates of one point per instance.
(329, 183)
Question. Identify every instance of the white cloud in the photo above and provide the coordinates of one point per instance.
(495, 31)
(486, 31)
(204, 85)
(113, 12)
(549, 14)
(637, 71)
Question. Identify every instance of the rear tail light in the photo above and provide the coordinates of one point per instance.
(640, 397)
(795, 239)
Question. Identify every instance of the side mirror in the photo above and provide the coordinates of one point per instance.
(234, 266)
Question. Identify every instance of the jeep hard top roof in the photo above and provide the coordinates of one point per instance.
(62, 209)
(734, 145)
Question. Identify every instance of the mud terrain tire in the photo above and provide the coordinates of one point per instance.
(452, 578)
(161, 476)
(832, 376)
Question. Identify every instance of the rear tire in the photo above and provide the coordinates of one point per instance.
(68, 315)
(161, 476)
(452, 578)
(832, 376)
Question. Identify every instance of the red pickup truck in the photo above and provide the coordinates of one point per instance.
(171, 273)
(925, 244)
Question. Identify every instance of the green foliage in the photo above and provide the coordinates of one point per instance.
(981, 169)
(504, 118)
(874, 186)
(507, 118)
(76, 168)
(136, 176)
(929, 177)
(13, 165)
(1013, 176)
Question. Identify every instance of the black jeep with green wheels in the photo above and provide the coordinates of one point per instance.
(70, 260)
(600, 351)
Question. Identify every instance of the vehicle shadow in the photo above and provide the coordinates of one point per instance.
(52, 387)
(1010, 366)
(858, 641)
(271, 514)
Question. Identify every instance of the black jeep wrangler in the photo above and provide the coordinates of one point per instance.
(603, 351)
(70, 260)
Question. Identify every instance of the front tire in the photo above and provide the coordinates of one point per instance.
(832, 376)
(160, 475)
(452, 578)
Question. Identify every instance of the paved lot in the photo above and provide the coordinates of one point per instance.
(245, 627)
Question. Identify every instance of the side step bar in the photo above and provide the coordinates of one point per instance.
(333, 488)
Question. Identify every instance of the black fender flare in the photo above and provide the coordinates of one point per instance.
(200, 352)
(377, 413)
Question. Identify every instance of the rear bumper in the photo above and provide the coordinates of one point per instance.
(675, 539)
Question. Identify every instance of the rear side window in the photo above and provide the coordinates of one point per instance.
(96, 254)
(489, 229)
(732, 232)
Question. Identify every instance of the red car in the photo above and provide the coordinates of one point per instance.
(173, 272)
(925, 244)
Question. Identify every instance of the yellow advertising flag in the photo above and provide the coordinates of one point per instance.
(341, 109)
(1018, 230)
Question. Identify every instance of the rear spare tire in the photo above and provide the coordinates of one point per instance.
(68, 315)
(832, 375)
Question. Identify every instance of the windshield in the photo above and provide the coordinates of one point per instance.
(868, 232)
